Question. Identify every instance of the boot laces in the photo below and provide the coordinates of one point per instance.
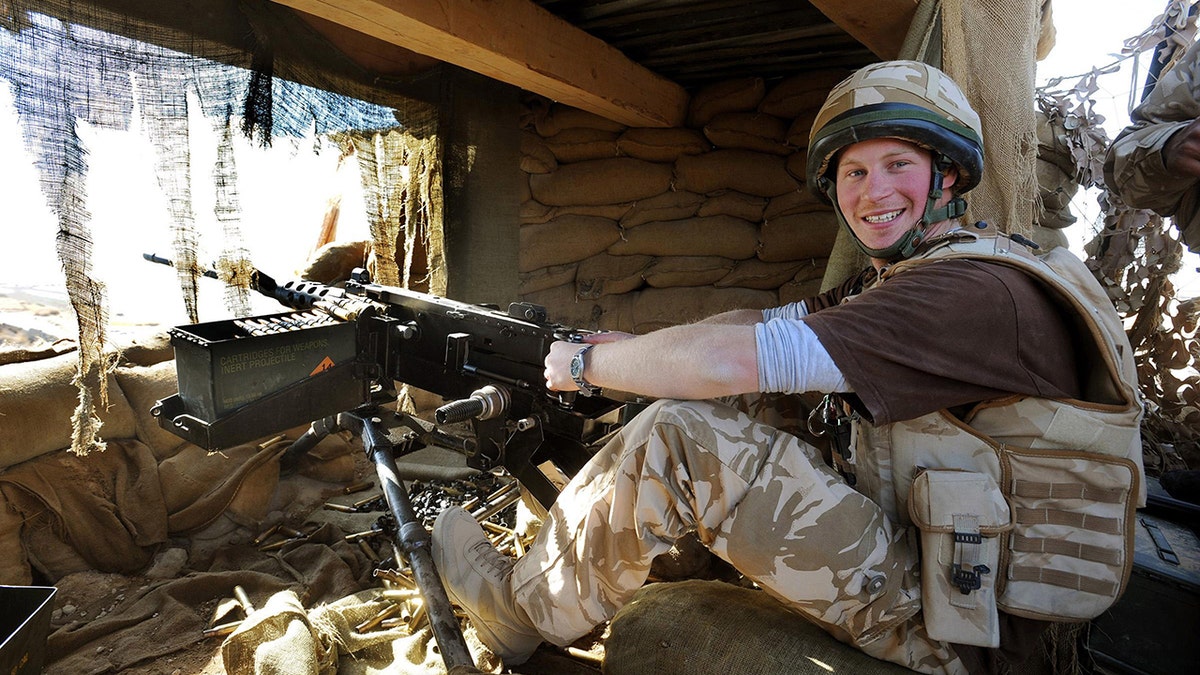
(494, 562)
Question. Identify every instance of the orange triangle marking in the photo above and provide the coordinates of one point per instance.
(324, 365)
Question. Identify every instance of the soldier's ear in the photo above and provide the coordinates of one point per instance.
(950, 177)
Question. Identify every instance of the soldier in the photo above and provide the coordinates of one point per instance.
(1154, 163)
(953, 362)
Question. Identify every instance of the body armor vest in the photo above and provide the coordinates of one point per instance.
(1066, 475)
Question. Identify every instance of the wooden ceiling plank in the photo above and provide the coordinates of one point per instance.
(517, 42)
(880, 25)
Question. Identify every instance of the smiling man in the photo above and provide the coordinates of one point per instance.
(952, 360)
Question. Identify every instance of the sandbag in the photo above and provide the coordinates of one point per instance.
(563, 306)
(333, 262)
(672, 205)
(535, 212)
(800, 128)
(37, 401)
(734, 203)
(547, 277)
(753, 173)
(799, 93)
(145, 386)
(107, 507)
(689, 627)
(655, 308)
(799, 289)
(791, 203)
(608, 274)
(662, 145)
(581, 144)
(738, 95)
(558, 117)
(14, 563)
(748, 131)
(798, 237)
(673, 271)
(535, 156)
(797, 165)
(565, 240)
(601, 181)
(755, 273)
(715, 235)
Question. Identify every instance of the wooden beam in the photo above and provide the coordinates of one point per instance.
(880, 25)
(517, 42)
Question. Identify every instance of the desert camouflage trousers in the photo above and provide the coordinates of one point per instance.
(759, 498)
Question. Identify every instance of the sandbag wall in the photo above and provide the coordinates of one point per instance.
(635, 229)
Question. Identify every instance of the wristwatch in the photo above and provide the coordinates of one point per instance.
(577, 365)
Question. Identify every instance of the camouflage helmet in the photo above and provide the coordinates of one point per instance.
(909, 100)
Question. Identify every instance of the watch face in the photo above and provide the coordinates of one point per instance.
(577, 366)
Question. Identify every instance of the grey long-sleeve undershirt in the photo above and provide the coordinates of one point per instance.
(790, 357)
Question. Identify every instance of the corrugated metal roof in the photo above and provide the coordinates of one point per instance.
(698, 42)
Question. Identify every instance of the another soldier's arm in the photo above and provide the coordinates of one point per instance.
(1155, 161)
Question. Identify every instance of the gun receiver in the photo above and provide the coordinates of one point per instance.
(347, 347)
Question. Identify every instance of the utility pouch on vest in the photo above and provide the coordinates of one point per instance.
(960, 515)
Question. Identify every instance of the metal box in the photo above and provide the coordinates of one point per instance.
(24, 625)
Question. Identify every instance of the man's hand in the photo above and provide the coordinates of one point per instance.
(558, 360)
(1181, 154)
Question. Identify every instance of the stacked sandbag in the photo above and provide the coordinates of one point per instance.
(635, 229)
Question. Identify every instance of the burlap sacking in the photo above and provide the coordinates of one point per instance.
(672, 205)
(795, 95)
(655, 308)
(739, 95)
(608, 274)
(37, 401)
(753, 173)
(144, 387)
(554, 119)
(734, 203)
(715, 235)
(535, 156)
(687, 627)
(601, 181)
(755, 131)
(581, 144)
(662, 145)
(798, 237)
(547, 277)
(755, 273)
(672, 271)
(565, 240)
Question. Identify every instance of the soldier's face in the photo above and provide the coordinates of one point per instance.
(882, 185)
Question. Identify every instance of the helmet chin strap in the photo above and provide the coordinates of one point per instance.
(907, 244)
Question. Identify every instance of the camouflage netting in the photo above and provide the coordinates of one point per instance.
(70, 62)
(1134, 255)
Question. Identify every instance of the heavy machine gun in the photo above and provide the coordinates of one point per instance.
(334, 362)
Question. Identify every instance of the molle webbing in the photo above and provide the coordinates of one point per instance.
(1091, 493)
(1100, 554)
(1084, 521)
(1045, 575)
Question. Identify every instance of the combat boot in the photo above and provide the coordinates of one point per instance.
(478, 578)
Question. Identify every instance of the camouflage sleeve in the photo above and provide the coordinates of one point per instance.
(1134, 167)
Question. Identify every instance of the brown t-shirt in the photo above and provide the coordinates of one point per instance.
(946, 334)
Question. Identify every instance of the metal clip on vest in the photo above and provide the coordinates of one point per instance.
(829, 418)
(966, 573)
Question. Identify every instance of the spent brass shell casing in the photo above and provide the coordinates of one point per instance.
(239, 594)
(339, 507)
(400, 594)
(265, 534)
(268, 443)
(387, 613)
(291, 531)
(366, 548)
(358, 487)
(223, 629)
(276, 545)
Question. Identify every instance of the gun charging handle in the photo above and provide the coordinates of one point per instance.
(484, 403)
